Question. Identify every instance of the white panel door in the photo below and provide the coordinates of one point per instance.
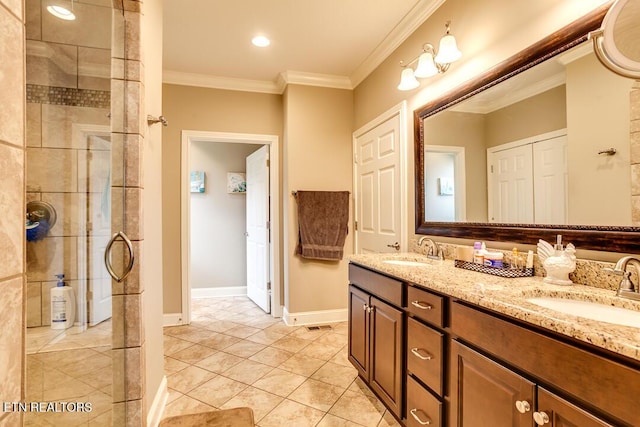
(550, 181)
(511, 185)
(257, 234)
(378, 188)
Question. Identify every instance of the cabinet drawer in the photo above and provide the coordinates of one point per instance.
(377, 284)
(424, 354)
(425, 305)
(423, 408)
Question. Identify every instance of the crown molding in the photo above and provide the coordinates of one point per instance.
(409, 24)
(310, 79)
(216, 82)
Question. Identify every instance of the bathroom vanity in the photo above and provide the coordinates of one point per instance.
(442, 346)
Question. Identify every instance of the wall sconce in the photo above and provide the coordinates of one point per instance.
(430, 62)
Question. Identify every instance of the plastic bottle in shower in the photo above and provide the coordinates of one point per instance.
(63, 305)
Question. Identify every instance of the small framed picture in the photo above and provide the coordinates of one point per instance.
(236, 183)
(445, 186)
(197, 181)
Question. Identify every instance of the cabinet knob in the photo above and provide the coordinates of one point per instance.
(414, 414)
(416, 352)
(541, 418)
(523, 406)
(395, 246)
(421, 306)
(364, 307)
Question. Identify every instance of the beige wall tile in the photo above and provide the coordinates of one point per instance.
(33, 16)
(635, 180)
(34, 125)
(14, 6)
(94, 171)
(51, 256)
(94, 68)
(134, 103)
(58, 125)
(132, 160)
(71, 213)
(132, 45)
(12, 350)
(131, 216)
(117, 106)
(98, 34)
(34, 304)
(635, 102)
(12, 210)
(635, 146)
(52, 170)
(52, 64)
(12, 84)
(635, 210)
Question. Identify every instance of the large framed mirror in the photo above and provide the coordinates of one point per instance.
(535, 147)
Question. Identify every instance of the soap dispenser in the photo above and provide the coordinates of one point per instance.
(63, 305)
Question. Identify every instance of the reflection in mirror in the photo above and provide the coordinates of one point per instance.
(592, 201)
(533, 148)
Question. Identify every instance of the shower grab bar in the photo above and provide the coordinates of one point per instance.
(107, 256)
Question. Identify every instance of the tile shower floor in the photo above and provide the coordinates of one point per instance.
(234, 355)
(72, 365)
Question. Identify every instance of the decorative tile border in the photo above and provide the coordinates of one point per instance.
(68, 96)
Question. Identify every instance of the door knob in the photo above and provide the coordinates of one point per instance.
(541, 418)
(523, 406)
(395, 246)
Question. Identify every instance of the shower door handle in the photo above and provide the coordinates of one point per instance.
(107, 256)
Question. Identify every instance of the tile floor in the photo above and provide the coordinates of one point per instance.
(233, 355)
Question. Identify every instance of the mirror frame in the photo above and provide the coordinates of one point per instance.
(602, 238)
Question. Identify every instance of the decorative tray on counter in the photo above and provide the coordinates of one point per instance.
(505, 271)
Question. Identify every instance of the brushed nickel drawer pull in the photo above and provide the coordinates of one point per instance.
(417, 418)
(416, 352)
(421, 306)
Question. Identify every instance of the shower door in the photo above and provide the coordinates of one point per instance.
(75, 173)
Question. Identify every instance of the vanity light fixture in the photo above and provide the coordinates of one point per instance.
(61, 11)
(430, 62)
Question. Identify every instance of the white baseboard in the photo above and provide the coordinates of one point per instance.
(314, 317)
(227, 291)
(172, 319)
(157, 406)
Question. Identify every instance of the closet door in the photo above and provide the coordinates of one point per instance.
(510, 177)
(550, 181)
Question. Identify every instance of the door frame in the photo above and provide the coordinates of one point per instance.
(460, 176)
(272, 141)
(399, 110)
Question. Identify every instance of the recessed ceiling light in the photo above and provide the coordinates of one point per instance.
(260, 41)
(62, 12)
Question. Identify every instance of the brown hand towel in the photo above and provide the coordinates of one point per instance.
(323, 218)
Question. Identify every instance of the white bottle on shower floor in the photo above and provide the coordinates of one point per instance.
(63, 305)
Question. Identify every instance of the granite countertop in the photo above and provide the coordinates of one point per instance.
(509, 297)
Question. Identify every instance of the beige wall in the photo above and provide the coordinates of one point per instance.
(317, 156)
(202, 109)
(218, 219)
(464, 130)
(12, 194)
(533, 116)
(151, 314)
(488, 32)
(597, 119)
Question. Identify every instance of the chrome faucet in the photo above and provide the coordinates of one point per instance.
(626, 288)
(435, 251)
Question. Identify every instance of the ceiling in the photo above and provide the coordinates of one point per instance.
(333, 43)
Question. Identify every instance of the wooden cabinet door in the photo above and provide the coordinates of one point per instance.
(554, 411)
(486, 394)
(359, 330)
(385, 375)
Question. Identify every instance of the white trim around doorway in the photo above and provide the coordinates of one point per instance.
(189, 136)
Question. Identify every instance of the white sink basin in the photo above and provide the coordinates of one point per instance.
(591, 310)
(406, 262)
